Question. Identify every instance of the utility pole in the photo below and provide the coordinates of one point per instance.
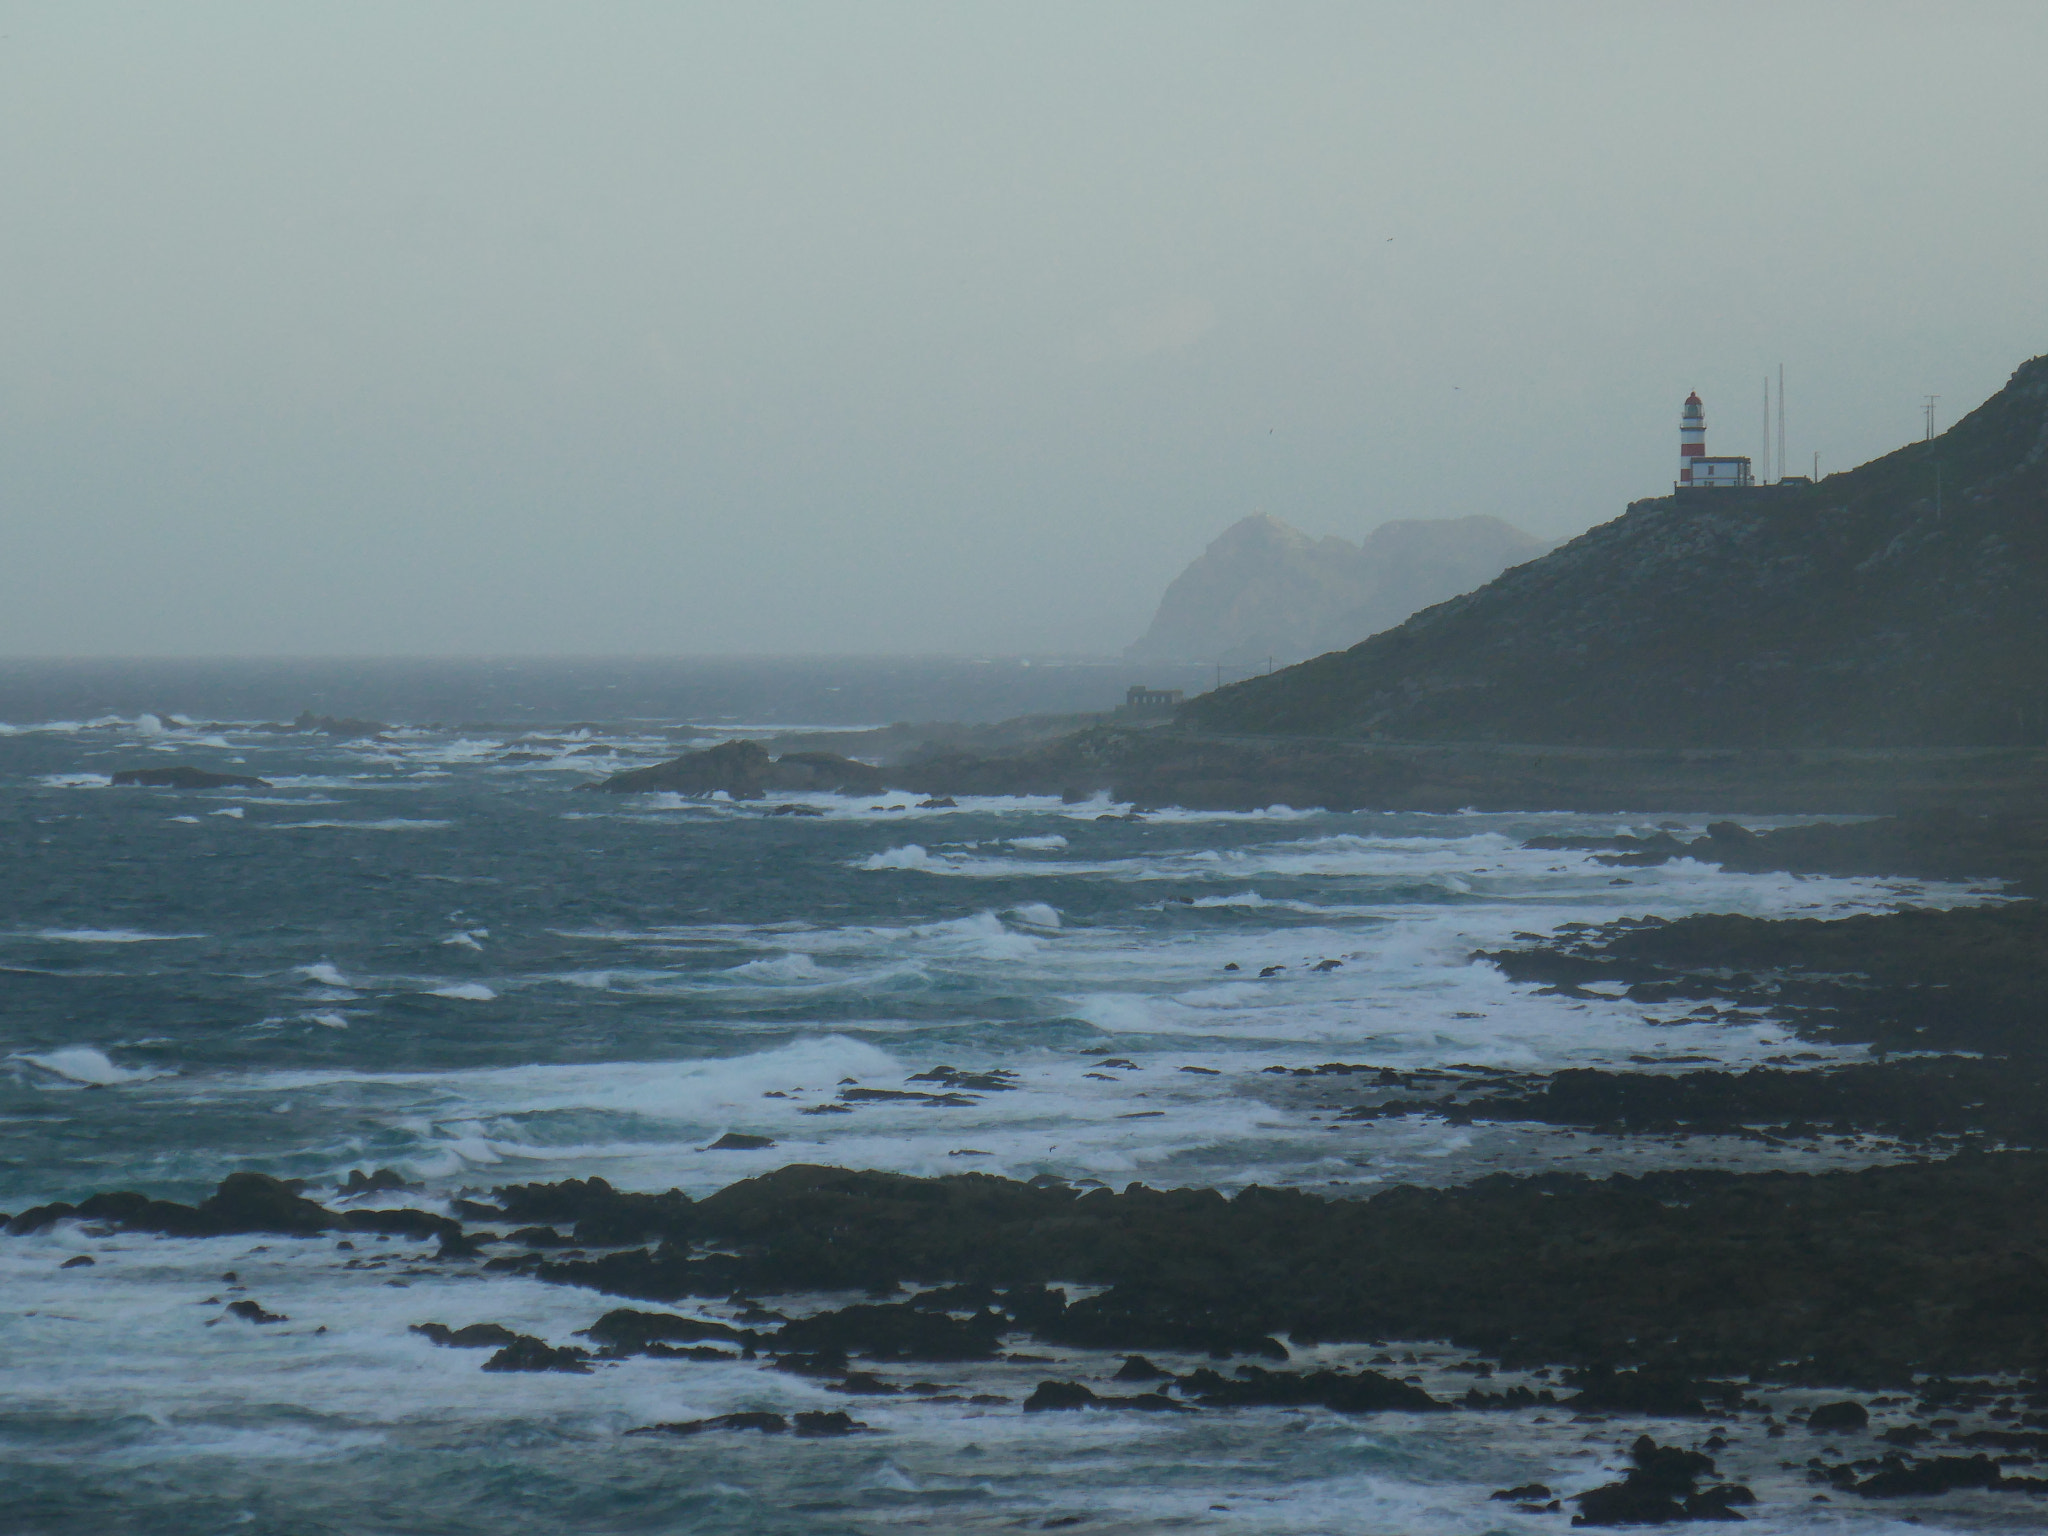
(1781, 421)
(1929, 408)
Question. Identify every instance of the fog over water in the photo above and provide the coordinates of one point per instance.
(497, 328)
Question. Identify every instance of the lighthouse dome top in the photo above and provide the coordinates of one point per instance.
(1692, 404)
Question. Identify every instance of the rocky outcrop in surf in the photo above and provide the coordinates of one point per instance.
(744, 771)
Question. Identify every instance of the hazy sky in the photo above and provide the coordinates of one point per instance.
(953, 327)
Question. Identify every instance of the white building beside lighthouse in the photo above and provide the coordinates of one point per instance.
(1695, 470)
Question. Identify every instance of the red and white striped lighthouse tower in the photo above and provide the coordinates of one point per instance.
(1692, 437)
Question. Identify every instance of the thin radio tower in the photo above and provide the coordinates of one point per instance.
(1929, 408)
(1781, 421)
(1763, 469)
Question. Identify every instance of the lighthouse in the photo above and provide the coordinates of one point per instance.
(1695, 470)
(1692, 436)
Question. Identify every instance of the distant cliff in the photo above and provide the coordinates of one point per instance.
(1265, 589)
(1862, 611)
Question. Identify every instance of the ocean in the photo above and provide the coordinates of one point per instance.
(432, 952)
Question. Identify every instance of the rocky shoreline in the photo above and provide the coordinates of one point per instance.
(1711, 1299)
(1172, 767)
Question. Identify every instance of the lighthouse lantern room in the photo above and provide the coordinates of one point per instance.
(1695, 470)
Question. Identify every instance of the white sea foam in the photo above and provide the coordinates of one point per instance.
(387, 824)
(324, 973)
(1044, 844)
(84, 1064)
(781, 968)
(110, 936)
(464, 991)
(909, 856)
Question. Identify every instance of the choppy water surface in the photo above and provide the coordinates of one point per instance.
(429, 954)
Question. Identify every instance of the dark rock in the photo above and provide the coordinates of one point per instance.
(539, 1237)
(740, 1141)
(1363, 1392)
(624, 1331)
(1837, 1418)
(1138, 1368)
(252, 1312)
(1643, 1392)
(79, 1261)
(1534, 1491)
(1936, 1474)
(1966, 979)
(360, 1183)
(939, 803)
(1058, 1395)
(1053, 1395)
(736, 767)
(822, 1362)
(902, 1331)
(767, 1423)
(1659, 1490)
(526, 1353)
(743, 770)
(602, 1216)
(185, 777)
(255, 1202)
(475, 1336)
(864, 1384)
(402, 1222)
(826, 1425)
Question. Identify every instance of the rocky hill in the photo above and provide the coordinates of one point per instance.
(1264, 589)
(1903, 603)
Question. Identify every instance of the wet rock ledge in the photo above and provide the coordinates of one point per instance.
(1855, 1279)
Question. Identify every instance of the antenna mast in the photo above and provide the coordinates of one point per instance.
(1781, 421)
(1929, 408)
(1763, 468)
